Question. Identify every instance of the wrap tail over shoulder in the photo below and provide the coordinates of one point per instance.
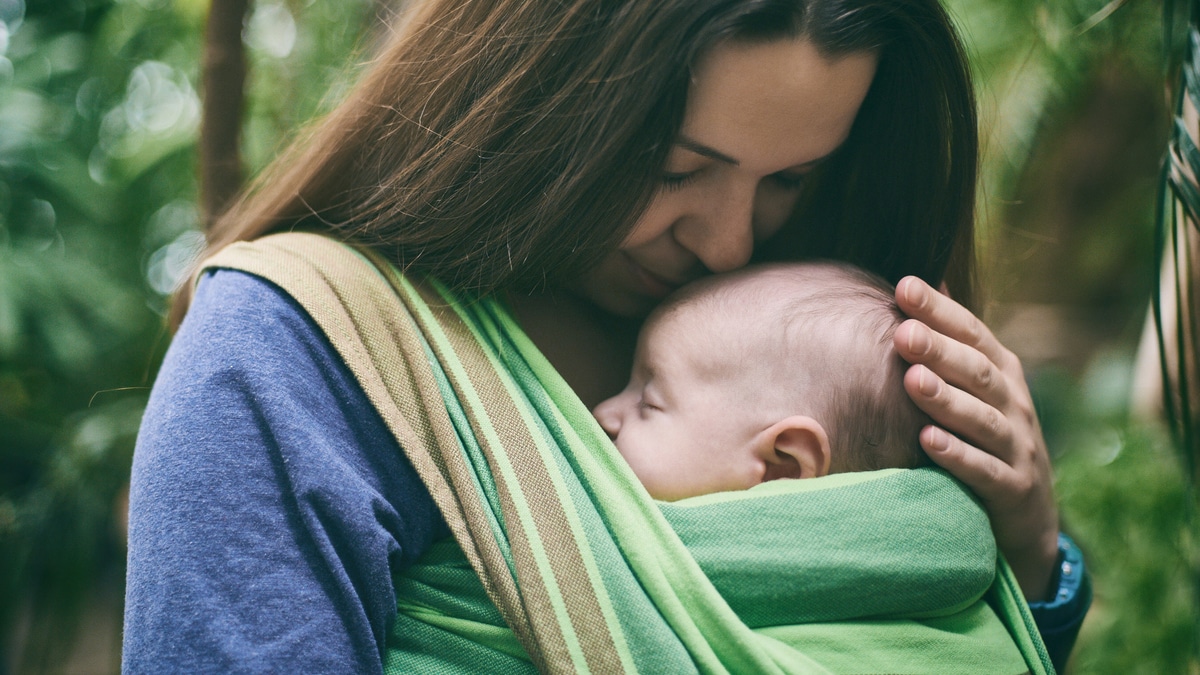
(561, 562)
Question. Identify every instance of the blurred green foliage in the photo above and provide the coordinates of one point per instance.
(99, 115)
(1072, 102)
(1125, 498)
(1123, 493)
(99, 112)
(94, 138)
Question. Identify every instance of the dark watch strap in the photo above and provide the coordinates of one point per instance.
(1059, 618)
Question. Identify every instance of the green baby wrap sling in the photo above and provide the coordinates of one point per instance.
(560, 560)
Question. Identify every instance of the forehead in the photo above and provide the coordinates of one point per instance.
(678, 330)
(752, 322)
(775, 104)
(709, 337)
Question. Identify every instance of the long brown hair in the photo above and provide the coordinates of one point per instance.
(513, 143)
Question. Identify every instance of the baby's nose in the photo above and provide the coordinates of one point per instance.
(609, 417)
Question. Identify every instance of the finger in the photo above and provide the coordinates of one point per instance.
(962, 366)
(955, 409)
(941, 313)
(986, 475)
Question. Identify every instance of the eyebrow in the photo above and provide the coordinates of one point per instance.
(701, 149)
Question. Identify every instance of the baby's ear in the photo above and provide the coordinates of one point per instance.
(796, 447)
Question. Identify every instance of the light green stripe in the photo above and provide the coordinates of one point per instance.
(473, 456)
(596, 579)
(544, 448)
(507, 470)
(787, 487)
(488, 494)
(633, 524)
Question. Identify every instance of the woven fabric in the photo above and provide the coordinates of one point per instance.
(561, 562)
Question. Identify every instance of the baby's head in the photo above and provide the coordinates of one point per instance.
(779, 371)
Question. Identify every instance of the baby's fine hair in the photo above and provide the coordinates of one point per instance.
(847, 316)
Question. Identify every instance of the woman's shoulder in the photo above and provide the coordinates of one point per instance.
(248, 359)
(263, 474)
(241, 325)
(250, 377)
(231, 307)
(249, 362)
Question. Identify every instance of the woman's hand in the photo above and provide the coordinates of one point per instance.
(974, 388)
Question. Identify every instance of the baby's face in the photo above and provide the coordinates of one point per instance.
(680, 423)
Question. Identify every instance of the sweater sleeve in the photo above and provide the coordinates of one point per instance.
(269, 505)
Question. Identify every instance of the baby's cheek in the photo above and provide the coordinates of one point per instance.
(634, 457)
(649, 471)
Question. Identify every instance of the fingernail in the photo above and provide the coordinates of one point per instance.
(918, 340)
(936, 439)
(914, 292)
(928, 383)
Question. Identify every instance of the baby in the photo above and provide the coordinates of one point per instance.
(778, 371)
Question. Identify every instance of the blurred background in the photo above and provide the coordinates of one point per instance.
(100, 215)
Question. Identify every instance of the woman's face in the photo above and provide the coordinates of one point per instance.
(759, 118)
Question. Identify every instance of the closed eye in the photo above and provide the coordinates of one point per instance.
(675, 181)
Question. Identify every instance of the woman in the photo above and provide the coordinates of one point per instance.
(583, 157)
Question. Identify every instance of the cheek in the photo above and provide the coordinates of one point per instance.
(772, 208)
(654, 222)
(638, 453)
(646, 442)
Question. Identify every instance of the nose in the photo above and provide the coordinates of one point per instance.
(720, 230)
(608, 414)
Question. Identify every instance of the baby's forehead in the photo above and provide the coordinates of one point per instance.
(712, 333)
(742, 303)
(789, 311)
(684, 328)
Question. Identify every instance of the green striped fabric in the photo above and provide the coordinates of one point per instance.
(561, 562)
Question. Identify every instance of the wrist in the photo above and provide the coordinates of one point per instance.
(1036, 568)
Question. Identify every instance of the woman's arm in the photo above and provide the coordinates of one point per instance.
(973, 387)
(269, 504)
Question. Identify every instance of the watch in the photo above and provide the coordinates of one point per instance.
(1073, 591)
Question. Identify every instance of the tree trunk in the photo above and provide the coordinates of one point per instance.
(224, 80)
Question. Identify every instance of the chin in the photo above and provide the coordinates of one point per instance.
(626, 307)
